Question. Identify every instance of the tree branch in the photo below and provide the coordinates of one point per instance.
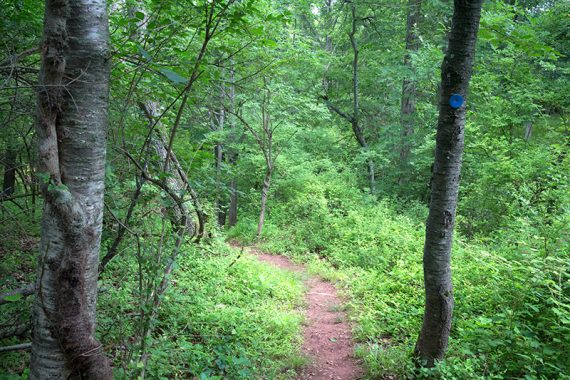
(24, 292)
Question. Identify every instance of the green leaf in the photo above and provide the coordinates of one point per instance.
(173, 77)
(257, 31)
(13, 297)
(43, 177)
(144, 53)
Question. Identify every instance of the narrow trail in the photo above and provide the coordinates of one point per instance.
(327, 337)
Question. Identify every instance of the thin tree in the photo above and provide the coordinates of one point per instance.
(408, 105)
(217, 124)
(233, 154)
(354, 118)
(264, 138)
(455, 75)
(73, 99)
(10, 165)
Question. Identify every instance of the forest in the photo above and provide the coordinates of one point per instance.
(285, 189)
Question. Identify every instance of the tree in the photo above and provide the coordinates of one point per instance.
(233, 156)
(10, 166)
(408, 104)
(264, 138)
(354, 118)
(455, 75)
(217, 123)
(73, 101)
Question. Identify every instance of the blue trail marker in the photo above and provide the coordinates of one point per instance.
(455, 101)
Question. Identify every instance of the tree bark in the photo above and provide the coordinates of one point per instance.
(10, 164)
(455, 75)
(72, 121)
(355, 122)
(266, 145)
(233, 155)
(408, 105)
(220, 201)
(233, 209)
(217, 123)
(527, 130)
(264, 193)
(177, 181)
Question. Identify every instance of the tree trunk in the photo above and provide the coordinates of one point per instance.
(356, 127)
(408, 105)
(264, 193)
(72, 121)
(233, 209)
(10, 163)
(527, 130)
(328, 25)
(218, 120)
(233, 155)
(221, 204)
(175, 181)
(455, 76)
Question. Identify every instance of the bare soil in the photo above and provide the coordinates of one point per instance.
(327, 336)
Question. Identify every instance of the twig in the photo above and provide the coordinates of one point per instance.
(16, 347)
(236, 259)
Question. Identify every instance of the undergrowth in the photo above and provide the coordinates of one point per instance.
(225, 315)
(512, 296)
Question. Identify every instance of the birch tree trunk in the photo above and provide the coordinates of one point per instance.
(265, 142)
(217, 124)
(455, 76)
(72, 121)
(233, 209)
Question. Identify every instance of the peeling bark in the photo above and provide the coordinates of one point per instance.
(455, 75)
(72, 121)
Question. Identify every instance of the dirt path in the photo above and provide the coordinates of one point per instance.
(327, 337)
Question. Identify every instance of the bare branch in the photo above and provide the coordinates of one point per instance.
(334, 109)
(17, 347)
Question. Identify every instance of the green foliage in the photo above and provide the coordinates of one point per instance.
(224, 316)
(512, 299)
(229, 317)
